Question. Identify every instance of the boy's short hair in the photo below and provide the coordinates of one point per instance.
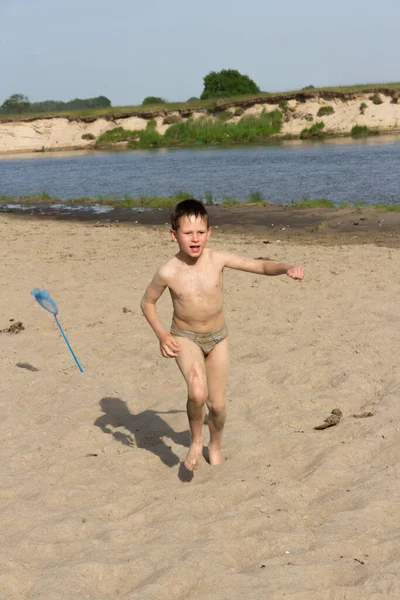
(187, 208)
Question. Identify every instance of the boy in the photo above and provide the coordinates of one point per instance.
(198, 336)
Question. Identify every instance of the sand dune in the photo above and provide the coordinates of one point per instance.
(94, 501)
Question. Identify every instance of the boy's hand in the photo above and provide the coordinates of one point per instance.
(295, 272)
(168, 346)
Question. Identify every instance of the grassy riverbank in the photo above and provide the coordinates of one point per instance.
(391, 88)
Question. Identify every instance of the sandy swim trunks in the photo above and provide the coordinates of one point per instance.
(206, 341)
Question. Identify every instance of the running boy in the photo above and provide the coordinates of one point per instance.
(198, 335)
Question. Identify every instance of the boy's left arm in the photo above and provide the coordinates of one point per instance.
(261, 267)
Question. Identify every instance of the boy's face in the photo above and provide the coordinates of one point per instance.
(192, 235)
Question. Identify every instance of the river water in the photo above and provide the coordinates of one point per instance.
(341, 170)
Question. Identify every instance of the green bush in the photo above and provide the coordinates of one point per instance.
(376, 99)
(359, 131)
(147, 138)
(88, 136)
(363, 131)
(153, 100)
(313, 132)
(283, 105)
(239, 111)
(118, 134)
(227, 82)
(206, 130)
(363, 106)
(325, 110)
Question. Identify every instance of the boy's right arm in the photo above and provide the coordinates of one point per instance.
(168, 346)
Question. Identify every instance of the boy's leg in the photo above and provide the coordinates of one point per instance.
(191, 363)
(217, 366)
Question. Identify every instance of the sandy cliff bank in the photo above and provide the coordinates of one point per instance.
(301, 111)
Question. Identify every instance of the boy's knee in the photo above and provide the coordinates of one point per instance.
(198, 394)
(216, 408)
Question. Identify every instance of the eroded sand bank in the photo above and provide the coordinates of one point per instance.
(66, 133)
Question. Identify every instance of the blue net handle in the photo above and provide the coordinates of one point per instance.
(45, 300)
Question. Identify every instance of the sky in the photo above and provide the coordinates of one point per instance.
(127, 50)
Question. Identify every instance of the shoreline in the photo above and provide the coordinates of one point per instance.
(326, 226)
(277, 138)
(384, 135)
(274, 139)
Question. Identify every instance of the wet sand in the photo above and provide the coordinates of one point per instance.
(304, 225)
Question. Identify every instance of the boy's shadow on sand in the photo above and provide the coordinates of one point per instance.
(146, 430)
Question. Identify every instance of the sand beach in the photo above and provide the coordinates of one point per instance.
(95, 504)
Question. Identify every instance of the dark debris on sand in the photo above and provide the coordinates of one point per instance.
(332, 420)
(15, 327)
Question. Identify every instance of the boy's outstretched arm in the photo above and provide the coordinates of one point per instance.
(169, 348)
(261, 267)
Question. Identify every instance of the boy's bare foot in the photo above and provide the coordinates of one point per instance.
(215, 454)
(193, 459)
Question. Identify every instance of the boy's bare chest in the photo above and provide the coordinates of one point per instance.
(197, 284)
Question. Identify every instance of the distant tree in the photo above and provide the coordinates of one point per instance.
(100, 102)
(47, 106)
(309, 87)
(193, 99)
(76, 104)
(153, 100)
(228, 82)
(17, 103)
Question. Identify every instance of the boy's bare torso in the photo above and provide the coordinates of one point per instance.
(196, 291)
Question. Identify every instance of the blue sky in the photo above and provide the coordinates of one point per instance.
(127, 50)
